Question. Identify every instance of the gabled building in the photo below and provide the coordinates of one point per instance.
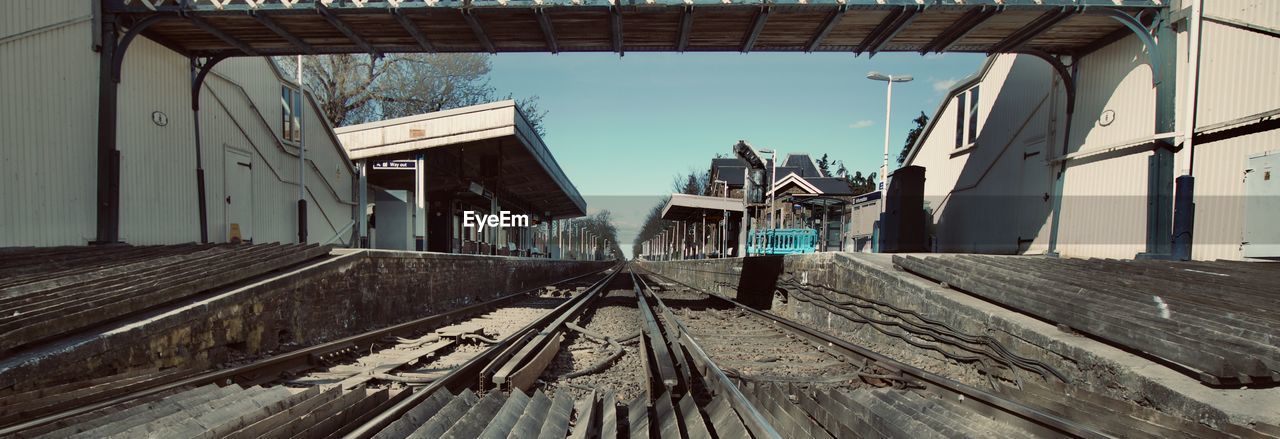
(1021, 159)
(229, 172)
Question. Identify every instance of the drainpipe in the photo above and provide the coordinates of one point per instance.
(302, 163)
(1184, 208)
(1060, 182)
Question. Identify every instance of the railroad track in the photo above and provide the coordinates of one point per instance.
(612, 354)
(891, 399)
(327, 388)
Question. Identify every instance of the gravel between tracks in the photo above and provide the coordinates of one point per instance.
(614, 315)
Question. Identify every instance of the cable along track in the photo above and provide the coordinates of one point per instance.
(852, 392)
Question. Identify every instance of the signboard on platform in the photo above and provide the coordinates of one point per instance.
(396, 164)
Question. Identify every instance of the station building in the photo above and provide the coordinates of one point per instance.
(717, 223)
(426, 174)
(245, 138)
(1012, 168)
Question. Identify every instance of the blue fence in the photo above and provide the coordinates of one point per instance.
(783, 241)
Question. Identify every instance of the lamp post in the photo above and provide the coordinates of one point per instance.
(724, 218)
(888, 104)
(773, 181)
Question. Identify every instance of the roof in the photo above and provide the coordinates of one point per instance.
(806, 164)
(796, 180)
(831, 185)
(533, 173)
(272, 27)
(684, 207)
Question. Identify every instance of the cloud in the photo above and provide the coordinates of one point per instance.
(861, 124)
(941, 85)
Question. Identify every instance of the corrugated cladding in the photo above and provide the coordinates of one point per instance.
(1238, 74)
(1104, 196)
(21, 16)
(48, 80)
(48, 156)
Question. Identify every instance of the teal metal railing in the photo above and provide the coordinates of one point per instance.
(783, 241)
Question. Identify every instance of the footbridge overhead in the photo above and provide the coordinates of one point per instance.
(280, 27)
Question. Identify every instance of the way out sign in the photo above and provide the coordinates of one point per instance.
(396, 164)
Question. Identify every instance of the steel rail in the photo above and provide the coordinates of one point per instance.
(468, 374)
(1036, 420)
(279, 363)
(755, 421)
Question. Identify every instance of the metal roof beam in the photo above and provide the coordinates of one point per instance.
(342, 27)
(887, 29)
(749, 42)
(283, 33)
(478, 30)
(686, 27)
(233, 41)
(1033, 29)
(413, 31)
(615, 18)
(826, 28)
(958, 30)
(547, 30)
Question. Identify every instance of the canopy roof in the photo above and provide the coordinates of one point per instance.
(684, 207)
(272, 27)
(490, 143)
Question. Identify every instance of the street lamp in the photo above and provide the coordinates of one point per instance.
(724, 217)
(888, 103)
(773, 181)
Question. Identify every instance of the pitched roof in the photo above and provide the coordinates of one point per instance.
(803, 161)
(831, 185)
(801, 182)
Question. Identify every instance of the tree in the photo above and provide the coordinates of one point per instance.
(352, 89)
(824, 165)
(912, 135)
(857, 182)
(601, 227)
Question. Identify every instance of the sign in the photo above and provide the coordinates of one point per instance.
(396, 164)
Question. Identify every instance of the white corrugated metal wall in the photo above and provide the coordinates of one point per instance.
(1239, 70)
(47, 168)
(48, 156)
(1104, 196)
(976, 194)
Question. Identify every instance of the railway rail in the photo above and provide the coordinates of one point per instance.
(617, 353)
(234, 398)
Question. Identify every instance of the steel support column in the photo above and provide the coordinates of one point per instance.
(1163, 55)
(200, 71)
(108, 197)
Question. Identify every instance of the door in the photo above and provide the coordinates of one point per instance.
(238, 195)
(1033, 200)
(1262, 206)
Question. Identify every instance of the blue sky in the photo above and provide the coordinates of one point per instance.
(621, 128)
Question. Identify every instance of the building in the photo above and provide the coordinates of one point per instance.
(1015, 165)
(803, 199)
(428, 175)
(57, 193)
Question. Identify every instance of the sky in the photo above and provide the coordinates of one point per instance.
(623, 127)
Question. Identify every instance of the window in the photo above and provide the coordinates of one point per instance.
(967, 117)
(290, 110)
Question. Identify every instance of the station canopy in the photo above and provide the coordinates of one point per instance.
(492, 145)
(691, 208)
(284, 27)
